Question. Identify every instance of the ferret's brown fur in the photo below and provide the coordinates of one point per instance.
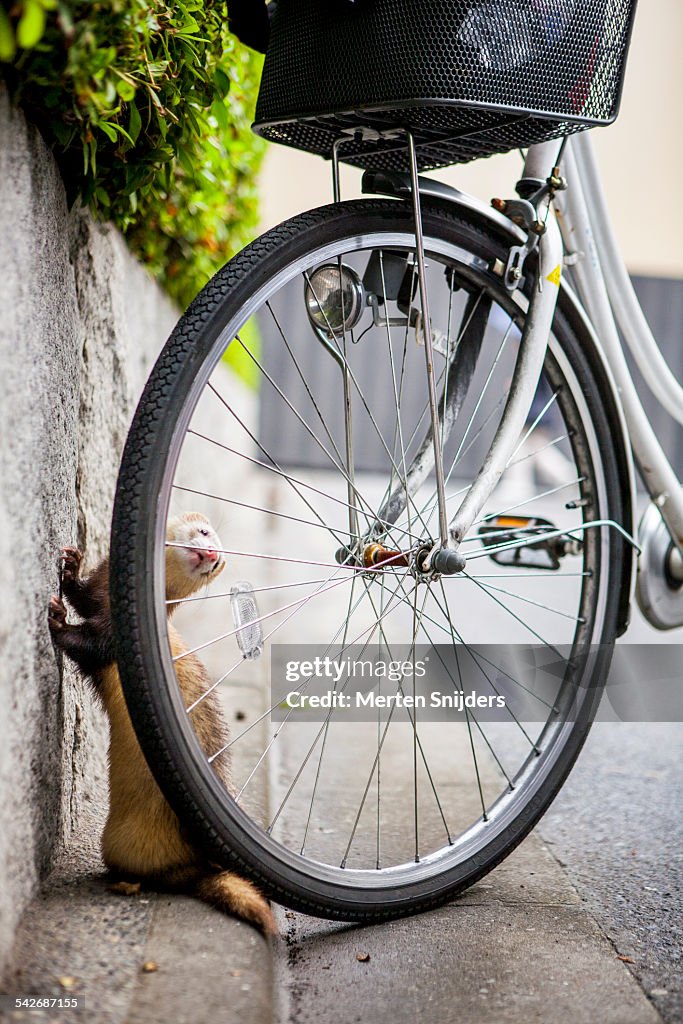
(143, 838)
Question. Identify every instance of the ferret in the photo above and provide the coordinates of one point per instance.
(143, 839)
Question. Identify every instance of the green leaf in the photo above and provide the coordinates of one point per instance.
(185, 161)
(63, 133)
(122, 131)
(125, 90)
(219, 111)
(134, 122)
(8, 46)
(108, 129)
(221, 81)
(190, 26)
(155, 99)
(31, 25)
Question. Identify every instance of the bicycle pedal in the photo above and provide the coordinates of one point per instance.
(519, 541)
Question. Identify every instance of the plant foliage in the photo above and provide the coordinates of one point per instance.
(146, 105)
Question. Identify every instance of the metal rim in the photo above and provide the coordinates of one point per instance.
(535, 773)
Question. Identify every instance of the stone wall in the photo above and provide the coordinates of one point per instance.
(80, 323)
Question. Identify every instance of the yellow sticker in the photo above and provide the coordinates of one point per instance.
(556, 275)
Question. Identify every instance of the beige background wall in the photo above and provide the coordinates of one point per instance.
(641, 155)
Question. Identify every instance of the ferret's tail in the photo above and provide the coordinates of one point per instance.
(235, 895)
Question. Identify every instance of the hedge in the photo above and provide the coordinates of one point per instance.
(147, 106)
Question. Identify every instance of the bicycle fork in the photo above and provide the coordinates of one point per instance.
(545, 236)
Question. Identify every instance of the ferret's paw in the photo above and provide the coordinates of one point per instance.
(71, 559)
(56, 614)
(125, 888)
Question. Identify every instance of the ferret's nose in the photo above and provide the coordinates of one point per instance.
(209, 554)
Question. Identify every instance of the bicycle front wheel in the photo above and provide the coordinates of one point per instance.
(315, 469)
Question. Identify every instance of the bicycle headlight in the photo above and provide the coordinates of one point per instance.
(334, 299)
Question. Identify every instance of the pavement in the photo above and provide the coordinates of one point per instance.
(582, 923)
(519, 946)
(143, 959)
(522, 945)
(616, 831)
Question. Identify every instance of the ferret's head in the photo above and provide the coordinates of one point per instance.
(198, 559)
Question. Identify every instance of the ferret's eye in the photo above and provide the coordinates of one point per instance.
(204, 533)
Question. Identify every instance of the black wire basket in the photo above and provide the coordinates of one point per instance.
(468, 79)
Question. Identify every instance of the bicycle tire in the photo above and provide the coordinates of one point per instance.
(173, 758)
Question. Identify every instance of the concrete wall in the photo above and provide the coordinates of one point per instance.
(80, 323)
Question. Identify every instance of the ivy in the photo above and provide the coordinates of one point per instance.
(147, 106)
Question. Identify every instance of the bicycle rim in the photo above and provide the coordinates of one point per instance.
(288, 503)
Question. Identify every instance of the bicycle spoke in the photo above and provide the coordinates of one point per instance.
(537, 604)
(514, 616)
(465, 708)
(534, 424)
(299, 603)
(480, 399)
(538, 451)
(372, 629)
(471, 713)
(418, 743)
(440, 626)
(322, 732)
(269, 710)
(294, 480)
(263, 451)
(254, 590)
(311, 476)
(398, 429)
(338, 466)
(372, 770)
(528, 501)
(259, 508)
(302, 378)
(364, 401)
(349, 613)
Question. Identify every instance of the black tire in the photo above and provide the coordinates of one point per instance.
(158, 716)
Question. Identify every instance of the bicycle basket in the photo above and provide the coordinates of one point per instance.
(467, 78)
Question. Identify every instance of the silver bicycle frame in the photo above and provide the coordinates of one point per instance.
(608, 297)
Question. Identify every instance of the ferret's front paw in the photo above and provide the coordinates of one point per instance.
(56, 615)
(71, 559)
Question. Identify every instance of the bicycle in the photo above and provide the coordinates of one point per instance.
(443, 341)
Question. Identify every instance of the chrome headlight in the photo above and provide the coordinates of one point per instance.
(334, 298)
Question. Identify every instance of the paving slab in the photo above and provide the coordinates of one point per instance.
(80, 938)
(519, 947)
(209, 968)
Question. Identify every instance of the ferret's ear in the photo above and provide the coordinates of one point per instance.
(195, 517)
